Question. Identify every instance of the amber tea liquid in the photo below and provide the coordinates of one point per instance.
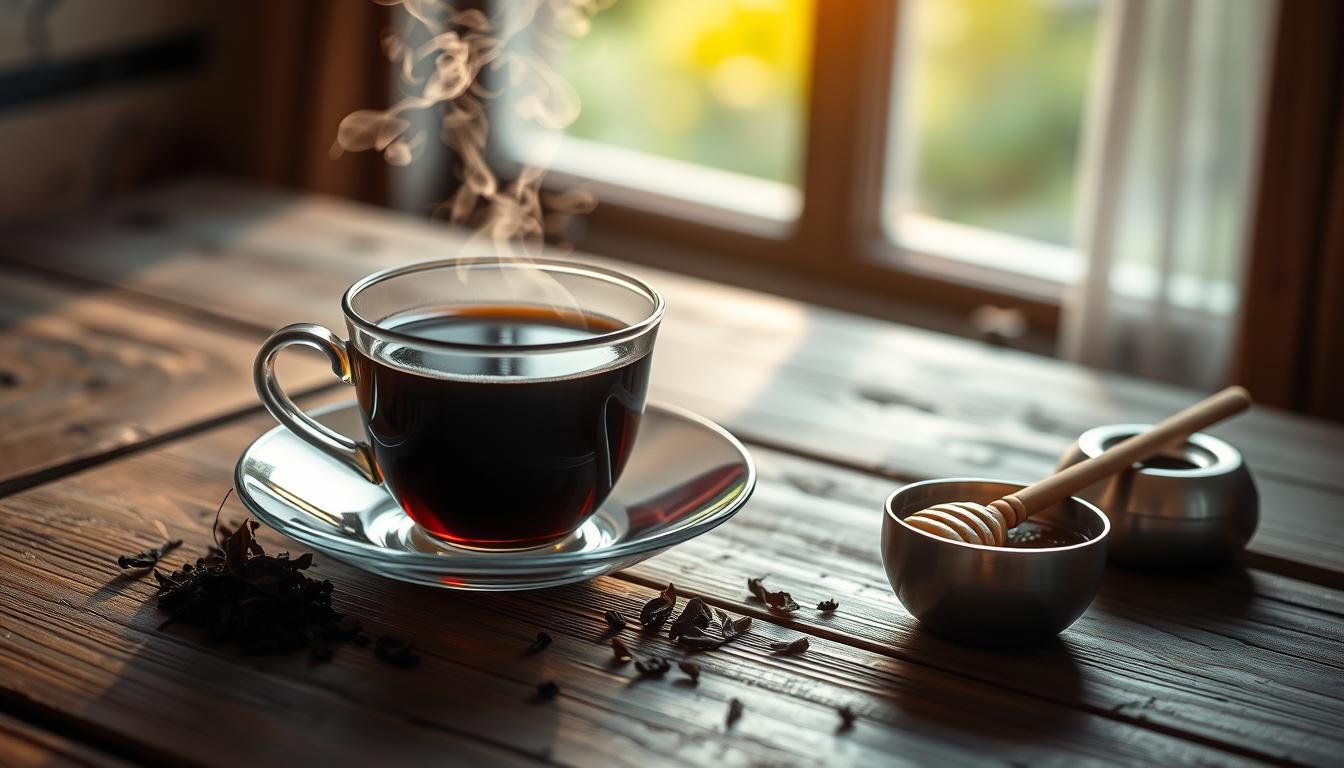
(508, 455)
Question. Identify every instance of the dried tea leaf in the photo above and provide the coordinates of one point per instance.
(696, 615)
(655, 613)
(757, 588)
(780, 602)
(669, 594)
(847, 718)
(548, 690)
(396, 651)
(796, 646)
(696, 639)
(543, 640)
(149, 557)
(734, 712)
(827, 606)
(622, 651)
(691, 669)
(262, 603)
(615, 620)
(652, 667)
(730, 629)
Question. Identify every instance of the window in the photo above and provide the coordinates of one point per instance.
(987, 124)
(954, 152)
(699, 100)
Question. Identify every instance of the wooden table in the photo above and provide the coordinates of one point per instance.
(125, 399)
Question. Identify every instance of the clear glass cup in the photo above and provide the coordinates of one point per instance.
(500, 398)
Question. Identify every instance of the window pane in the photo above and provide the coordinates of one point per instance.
(991, 97)
(719, 83)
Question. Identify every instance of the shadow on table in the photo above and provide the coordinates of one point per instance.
(1048, 672)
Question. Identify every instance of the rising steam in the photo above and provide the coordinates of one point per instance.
(517, 215)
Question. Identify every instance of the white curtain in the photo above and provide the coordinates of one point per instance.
(1170, 158)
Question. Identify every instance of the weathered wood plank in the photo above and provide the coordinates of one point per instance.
(905, 403)
(81, 641)
(1243, 657)
(26, 746)
(84, 375)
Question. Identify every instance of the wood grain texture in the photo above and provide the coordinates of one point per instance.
(81, 640)
(847, 389)
(84, 375)
(1243, 657)
(26, 746)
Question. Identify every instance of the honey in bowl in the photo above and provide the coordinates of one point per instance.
(1038, 534)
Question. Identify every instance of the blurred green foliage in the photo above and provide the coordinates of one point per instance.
(997, 93)
(715, 82)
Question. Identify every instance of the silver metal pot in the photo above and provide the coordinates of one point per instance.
(1193, 505)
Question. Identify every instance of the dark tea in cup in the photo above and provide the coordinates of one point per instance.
(495, 417)
(484, 463)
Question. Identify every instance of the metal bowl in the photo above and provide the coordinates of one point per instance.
(991, 595)
(1190, 506)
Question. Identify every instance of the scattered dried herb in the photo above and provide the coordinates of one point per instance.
(622, 651)
(669, 594)
(734, 712)
(847, 718)
(795, 646)
(779, 602)
(691, 669)
(727, 629)
(548, 690)
(261, 603)
(652, 667)
(615, 620)
(757, 588)
(150, 557)
(396, 651)
(696, 639)
(827, 606)
(696, 615)
(543, 640)
(654, 614)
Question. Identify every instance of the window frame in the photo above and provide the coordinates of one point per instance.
(839, 237)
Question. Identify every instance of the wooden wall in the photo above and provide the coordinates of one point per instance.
(101, 96)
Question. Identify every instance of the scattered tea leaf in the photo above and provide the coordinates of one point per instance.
(669, 594)
(652, 667)
(796, 646)
(396, 651)
(734, 711)
(262, 603)
(622, 651)
(757, 588)
(548, 690)
(696, 639)
(827, 606)
(847, 718)
(742, 624)
(655, 613)
(696, 615)
(779, 602)
(543, 640)
(691, 669)
(615, 620)
(149, 557)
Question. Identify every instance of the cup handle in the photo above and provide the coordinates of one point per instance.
(356, 455)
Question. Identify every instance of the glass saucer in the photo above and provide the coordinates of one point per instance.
(685, 476)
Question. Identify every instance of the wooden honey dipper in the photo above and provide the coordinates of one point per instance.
(989, 524)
